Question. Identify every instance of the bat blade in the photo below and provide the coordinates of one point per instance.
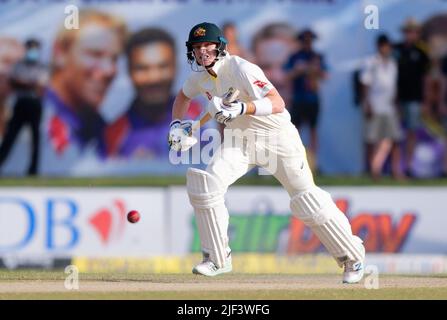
(230, 96)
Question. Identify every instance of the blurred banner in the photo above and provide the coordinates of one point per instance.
(70, 222)
(62, 223)
(107, 107)
(260, 220)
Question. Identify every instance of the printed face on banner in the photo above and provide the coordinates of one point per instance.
(90, 64)
(152, 70)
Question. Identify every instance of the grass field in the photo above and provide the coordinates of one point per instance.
(50, 285)
(163, 181)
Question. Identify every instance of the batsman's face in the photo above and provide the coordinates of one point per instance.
(152, 70)
(91, 63)
(205, 53)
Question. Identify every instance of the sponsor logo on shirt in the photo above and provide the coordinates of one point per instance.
(208, 95)
(260, 84)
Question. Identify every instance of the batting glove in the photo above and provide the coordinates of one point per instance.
(180, 133)
(226, 113)
(174, 140)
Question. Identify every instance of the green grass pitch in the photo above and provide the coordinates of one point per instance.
(50, 285)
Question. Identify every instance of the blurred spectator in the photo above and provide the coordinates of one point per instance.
(444, 109)
(305, 69)
(84, 66)
(233, 46)
(434, 107)
(412, 67)
(434, 33)
(11, 51)
(383, 132)
(151, 61)
(28, 79)
(271, 46)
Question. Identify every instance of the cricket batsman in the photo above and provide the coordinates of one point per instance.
(260, 111)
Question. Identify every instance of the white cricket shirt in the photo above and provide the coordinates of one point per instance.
(249, 79)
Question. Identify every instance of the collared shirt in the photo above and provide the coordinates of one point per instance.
(67, 126)
(249, 79)
(380, 76)
(131, 135)
(70, 144)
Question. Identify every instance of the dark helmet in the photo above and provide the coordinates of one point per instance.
(307, 33)
(206, 32)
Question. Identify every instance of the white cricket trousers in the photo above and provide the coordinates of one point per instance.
(281, 152)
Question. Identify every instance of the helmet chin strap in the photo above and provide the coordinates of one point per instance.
(209, 69)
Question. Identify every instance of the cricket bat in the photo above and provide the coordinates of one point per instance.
(188, 141)
(230, 96)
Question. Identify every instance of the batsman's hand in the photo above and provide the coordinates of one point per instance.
(226, 113)
(180, 136)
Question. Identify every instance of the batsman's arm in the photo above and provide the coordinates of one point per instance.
(181, 105)
(266, 99)
(277, 103)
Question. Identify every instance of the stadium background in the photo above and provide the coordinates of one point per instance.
(50, 222)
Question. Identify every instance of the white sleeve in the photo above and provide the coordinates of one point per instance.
(190, 87)
(253, 80)
(366, 74)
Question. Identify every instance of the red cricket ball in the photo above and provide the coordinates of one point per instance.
(133, 216)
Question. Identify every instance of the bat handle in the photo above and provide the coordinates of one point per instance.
(229, 98)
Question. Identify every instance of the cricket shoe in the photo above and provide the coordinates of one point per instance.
(208, 268)
(354, 270)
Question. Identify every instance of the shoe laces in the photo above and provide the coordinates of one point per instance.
(206, 260)
(353, 266)
(210, 265)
